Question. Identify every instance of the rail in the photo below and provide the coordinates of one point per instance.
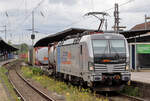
(31, 86)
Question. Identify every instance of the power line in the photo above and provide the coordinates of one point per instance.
(119, 5)
(103, 11)
(24, 20)
(73, 23)
(33, 10)
(92, 3)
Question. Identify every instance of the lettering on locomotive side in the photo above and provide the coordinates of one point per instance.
(66, 58)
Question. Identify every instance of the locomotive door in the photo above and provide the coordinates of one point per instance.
(81, 57)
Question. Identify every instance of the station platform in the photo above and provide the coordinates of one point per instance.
(4, 96)
(4, 62)
(142, 76)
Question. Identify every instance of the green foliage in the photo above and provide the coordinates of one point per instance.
(24, 48)
(132, 91)
(9, 42)
(27, 72)
(70, 92)
(37, 71)
(4, 78)
(26, 60)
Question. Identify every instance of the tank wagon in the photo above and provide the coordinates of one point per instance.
(98, 60)
(42, 56)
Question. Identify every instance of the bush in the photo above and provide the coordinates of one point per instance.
(132, 91)
(70, 92)
(37, 71)
(7, 84)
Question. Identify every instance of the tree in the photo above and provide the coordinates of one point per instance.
(24, 48)
(9, 42)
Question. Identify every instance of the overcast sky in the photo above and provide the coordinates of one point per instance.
(53, 16)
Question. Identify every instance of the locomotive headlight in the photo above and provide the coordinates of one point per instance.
(127, 67)
(91, 66)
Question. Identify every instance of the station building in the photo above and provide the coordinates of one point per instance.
(140, 47)
(6, 50)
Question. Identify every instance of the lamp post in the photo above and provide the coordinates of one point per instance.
(32, 35)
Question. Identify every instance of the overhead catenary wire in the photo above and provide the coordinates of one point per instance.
(16, 28)
(92, 5)
(119, 5)
(73, 23)
(26, 18)
(8, 21)
(103, 11)
(38, 5)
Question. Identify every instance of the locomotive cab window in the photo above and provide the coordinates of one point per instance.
(117, 46)
(100, 46)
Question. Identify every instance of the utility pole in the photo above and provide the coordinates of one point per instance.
(32, 35)
(5, 32)
(116, 15)
(106, 24)
(146, 18)
(116, 19)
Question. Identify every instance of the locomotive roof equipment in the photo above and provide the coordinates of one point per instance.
(102, 19)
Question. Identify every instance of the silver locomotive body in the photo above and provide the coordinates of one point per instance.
(98, 60)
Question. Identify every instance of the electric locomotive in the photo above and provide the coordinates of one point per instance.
(98, 60)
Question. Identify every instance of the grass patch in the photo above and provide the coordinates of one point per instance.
(131, 91)
(4, 78)
(70, 92)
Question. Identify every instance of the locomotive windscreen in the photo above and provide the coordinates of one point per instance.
(117, 46)
(109, 51)
(100, 46)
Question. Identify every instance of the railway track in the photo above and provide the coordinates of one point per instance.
(123, 97)
(25, 90)
(114, 96)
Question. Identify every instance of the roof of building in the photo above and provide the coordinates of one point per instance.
(133, 33)
(141, 26)
(59, 36)
(6, 47)
(74, 31)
